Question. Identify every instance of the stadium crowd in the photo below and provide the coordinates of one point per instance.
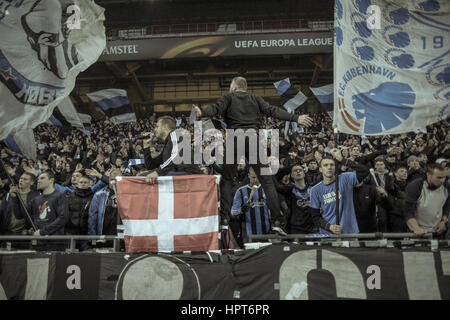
(81, 167)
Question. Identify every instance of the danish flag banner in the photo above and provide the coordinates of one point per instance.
(176, 214)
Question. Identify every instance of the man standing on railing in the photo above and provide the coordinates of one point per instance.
(323, 196)
(242, 110)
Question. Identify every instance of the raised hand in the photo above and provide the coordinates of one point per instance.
(305, 120)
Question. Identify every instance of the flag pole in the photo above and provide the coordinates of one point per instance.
(336, 135)
(11, 181)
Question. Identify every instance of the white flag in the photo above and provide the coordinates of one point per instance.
(22, 142)
(391, 68)
(42, 51)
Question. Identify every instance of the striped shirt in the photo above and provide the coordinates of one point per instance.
(257, 219)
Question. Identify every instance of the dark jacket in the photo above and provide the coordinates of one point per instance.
(300, 220)
(79, 202)
(365, 202)
(50, 213)
(396, 199)
(163, 163)
(312, 177)
(415, 174)
(245, 110)
(12, 205)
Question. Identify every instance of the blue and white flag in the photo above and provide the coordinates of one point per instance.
(22, 142)
(115, 104)
(134, 162)
(291, 99)
(324, 94)
(42, 50)
(391, 65)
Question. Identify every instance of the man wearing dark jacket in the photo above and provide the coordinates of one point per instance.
(396, 199)
(365, 203)
(313, 175)
(79, 202)
(11, 207)
(50, 210)
(381, 179)
(164, 164)
(241, 110)
(297, 196)
(415, 171)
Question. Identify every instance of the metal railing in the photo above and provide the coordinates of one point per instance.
(315, 236)
(69, 238)
(342, 240)
(240, 27)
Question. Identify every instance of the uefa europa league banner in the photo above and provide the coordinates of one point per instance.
(391, 65)
(214, 46)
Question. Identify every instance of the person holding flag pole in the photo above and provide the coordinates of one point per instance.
(16, 192)
(333, 214)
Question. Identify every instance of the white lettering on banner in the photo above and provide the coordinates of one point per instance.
(445, 259)
(2, 293)
(374, 281)
(37, 279)
(74, 281)
(280, 43)
(349, 280)
(122, 49)
(295, 269)
(421, 280)
(314, 42)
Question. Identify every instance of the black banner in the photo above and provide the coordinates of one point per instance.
(276, 272)
(213, 46)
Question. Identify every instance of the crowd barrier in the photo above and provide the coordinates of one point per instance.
(270, 271)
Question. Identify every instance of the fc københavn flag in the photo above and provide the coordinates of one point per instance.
(391, 65)
(114, 103)
(42, 50)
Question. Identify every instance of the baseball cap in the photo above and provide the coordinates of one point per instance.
(441, 160)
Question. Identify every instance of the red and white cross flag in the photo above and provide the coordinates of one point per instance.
(178, 213)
